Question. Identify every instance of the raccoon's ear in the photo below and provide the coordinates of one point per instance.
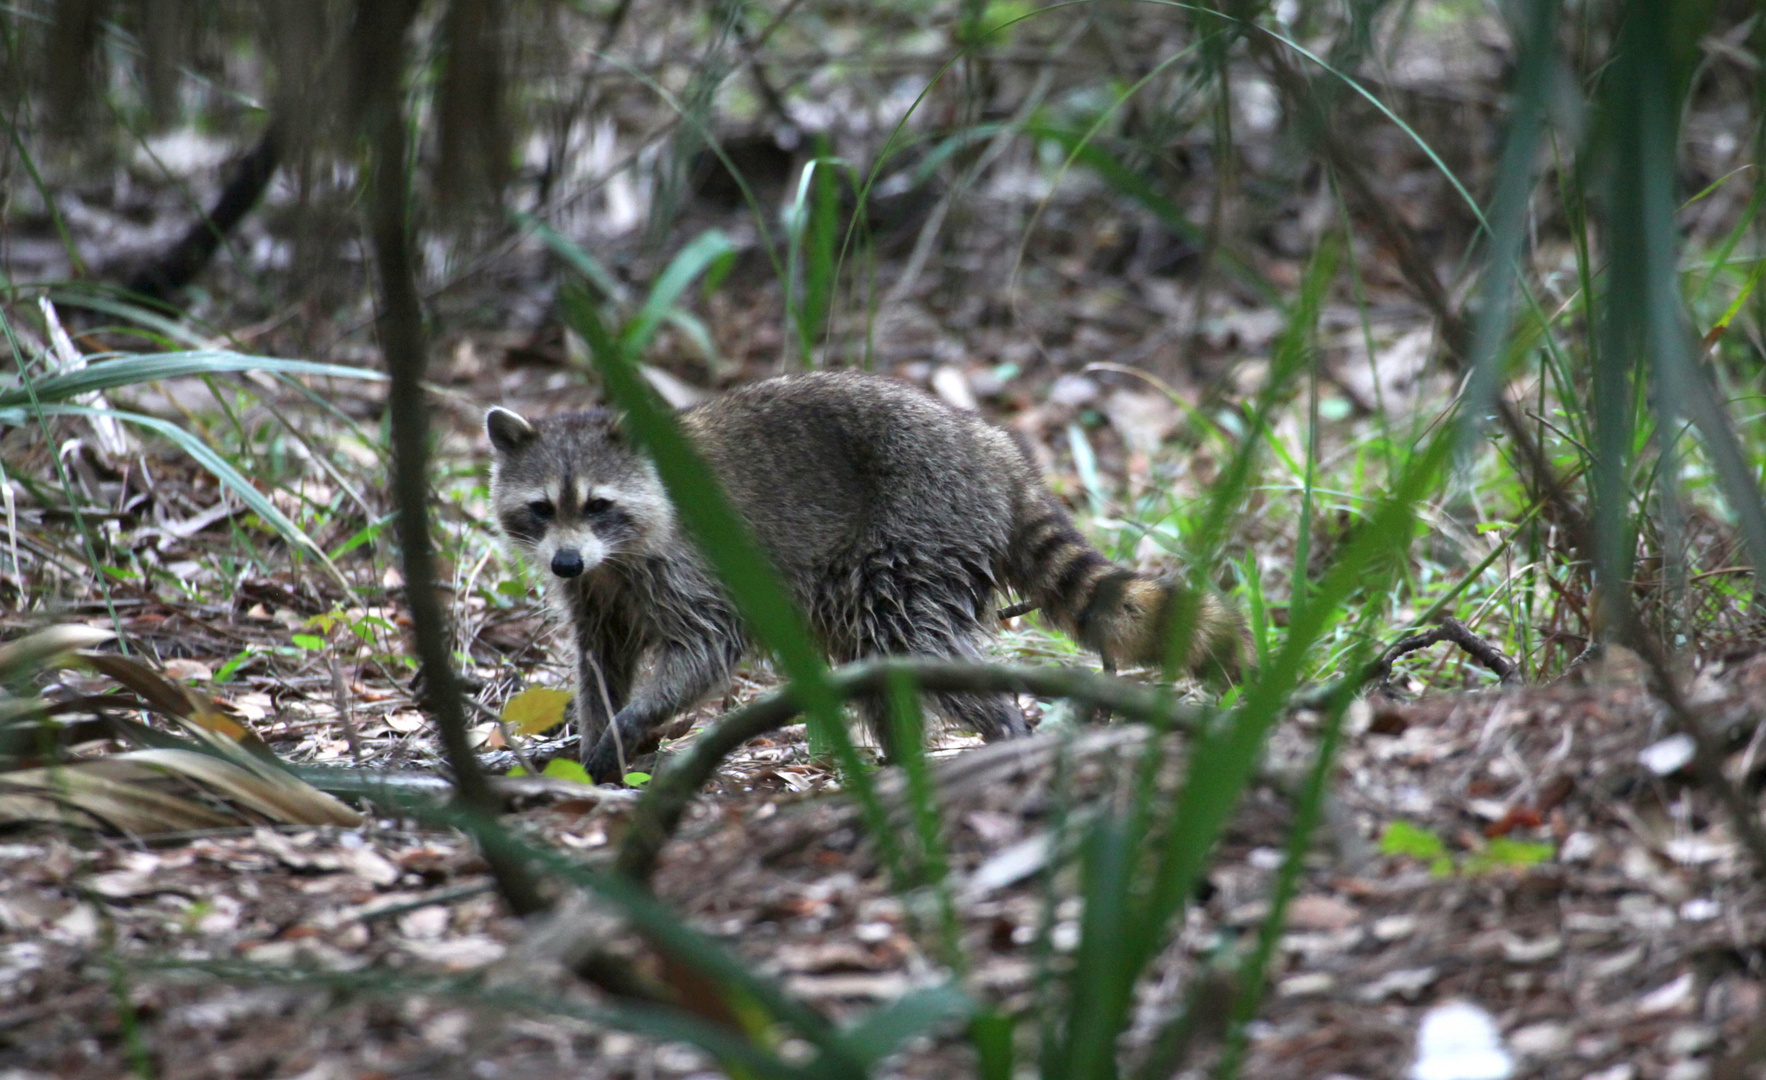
(508, 432)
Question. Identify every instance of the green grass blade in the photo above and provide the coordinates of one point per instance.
(1308, 810)
(823, 231)
(990, 1033)
(661, 1022)
(1222, 762)
(1104, 970)
(1386, 111)
(1133, 185)
(706, 511)
(45, 192)
(1695, 398)
(204, 455)
(885, 1030)
(1721, 259)
(1645, 318)
(726, 542)
(130, 370)
(1292, 354)
(655, 921)
(694, 259)
(576, 258)
(1508, 213)
(164, 325)
(695, 331)
(909, 747)
(1741, 299)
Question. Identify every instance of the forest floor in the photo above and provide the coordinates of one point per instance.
(1633, 949)
(1630, 952)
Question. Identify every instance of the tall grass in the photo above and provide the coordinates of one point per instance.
(1617, 386)
(1134, 887)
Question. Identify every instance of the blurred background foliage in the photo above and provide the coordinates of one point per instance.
(1366, 312)
(879, 168)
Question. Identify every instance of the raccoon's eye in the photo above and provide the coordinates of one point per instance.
(542, 509)
(596, 506)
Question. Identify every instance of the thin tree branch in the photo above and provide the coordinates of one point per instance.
(657, 816)
(379, 37)
(178, 267)
(1380, 671)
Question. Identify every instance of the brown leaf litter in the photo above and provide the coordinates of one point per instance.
(1633, 952)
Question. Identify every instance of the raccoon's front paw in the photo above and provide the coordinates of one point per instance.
(603, 762)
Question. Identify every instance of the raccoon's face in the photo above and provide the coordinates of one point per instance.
(571, 493)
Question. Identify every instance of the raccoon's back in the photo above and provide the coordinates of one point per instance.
(826, 462)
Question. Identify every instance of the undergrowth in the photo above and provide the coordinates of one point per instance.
(1580, 463)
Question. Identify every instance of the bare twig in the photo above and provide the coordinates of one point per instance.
(769, 94)
(1451, 629)
(379, 39)
(345, 717)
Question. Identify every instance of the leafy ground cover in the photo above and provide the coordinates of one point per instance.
(1162, 320)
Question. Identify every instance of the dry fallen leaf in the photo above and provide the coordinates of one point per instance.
(536, 709)
(189, 670)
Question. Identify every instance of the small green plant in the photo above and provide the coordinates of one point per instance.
(1412, 841)
(561, 768)
(632, 326)
(1502, 853)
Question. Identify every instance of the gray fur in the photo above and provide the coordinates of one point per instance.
(895, 521)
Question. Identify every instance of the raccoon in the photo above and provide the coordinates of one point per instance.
(894, 520)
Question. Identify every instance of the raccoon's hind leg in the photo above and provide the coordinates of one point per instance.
(992, 716)
(905, 611)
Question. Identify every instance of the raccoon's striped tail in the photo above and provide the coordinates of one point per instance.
(1123, 615)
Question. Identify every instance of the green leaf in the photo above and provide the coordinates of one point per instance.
(365, 535)
(636, 779)
(130, 370)
(915, 1013)
(1504, 853)
(565, 769)
(536, 709)
(308, 641)
(694, 259)
(1403, 838)
(205, 455)
(227, 670)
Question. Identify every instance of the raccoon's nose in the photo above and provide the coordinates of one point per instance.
(567, 562)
